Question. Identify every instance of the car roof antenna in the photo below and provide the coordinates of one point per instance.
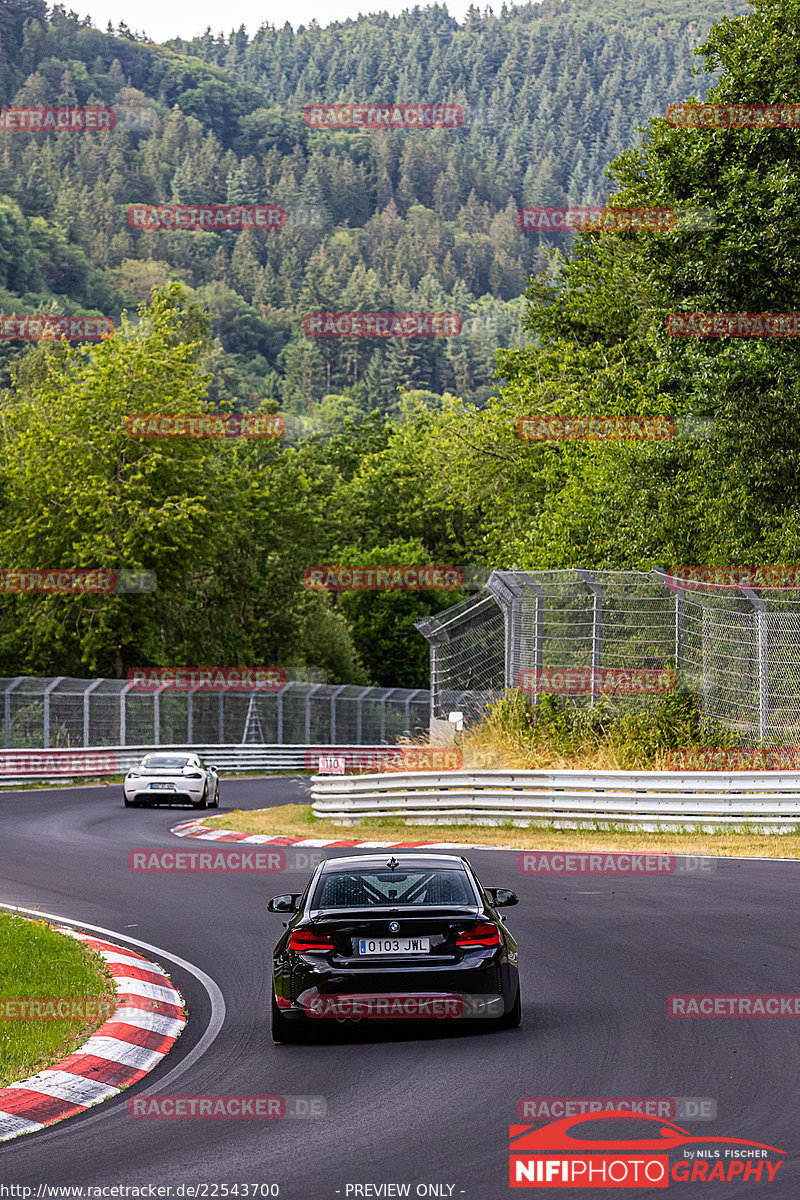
(393, 863)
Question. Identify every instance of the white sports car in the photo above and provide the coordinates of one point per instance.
(172, 778)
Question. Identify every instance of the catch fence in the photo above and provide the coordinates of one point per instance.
(737, 649)
(62, 713)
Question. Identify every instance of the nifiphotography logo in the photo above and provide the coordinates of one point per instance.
(593, 1150)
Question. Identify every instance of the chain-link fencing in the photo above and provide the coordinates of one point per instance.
(62, 713)
(736, 648)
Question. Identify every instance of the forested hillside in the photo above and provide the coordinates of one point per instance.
(400, 221)
(410, 453)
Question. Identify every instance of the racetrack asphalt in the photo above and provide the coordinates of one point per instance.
(599, 955)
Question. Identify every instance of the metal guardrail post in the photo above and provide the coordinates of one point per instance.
(7, 705)
(221, 715)
(763, 664)
(597, 620)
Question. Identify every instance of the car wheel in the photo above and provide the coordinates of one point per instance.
(128, 803)
(511, 1020)
(216, 797)
(203, 801)
(283, 1030)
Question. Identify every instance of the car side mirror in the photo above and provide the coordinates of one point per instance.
(284, 904)
(502, 897)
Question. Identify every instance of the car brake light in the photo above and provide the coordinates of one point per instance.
(484, 934)
(304, 940)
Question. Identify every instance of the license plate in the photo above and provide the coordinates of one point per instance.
(417, 945)
(169, 787)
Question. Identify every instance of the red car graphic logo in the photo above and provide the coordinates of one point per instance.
(666, 1136)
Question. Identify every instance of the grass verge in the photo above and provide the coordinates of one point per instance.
(36, 962)
(297, 820)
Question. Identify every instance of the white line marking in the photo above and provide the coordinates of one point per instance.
(129, 1053)
(76, 1089)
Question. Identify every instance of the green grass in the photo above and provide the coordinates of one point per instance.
(36, 962)
(298, 820)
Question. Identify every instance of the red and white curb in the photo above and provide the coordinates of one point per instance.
(149, 1017)
(195, 829)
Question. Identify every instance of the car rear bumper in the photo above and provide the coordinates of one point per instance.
(453, 991)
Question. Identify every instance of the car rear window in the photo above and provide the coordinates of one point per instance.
(387, 889)
(165, 763)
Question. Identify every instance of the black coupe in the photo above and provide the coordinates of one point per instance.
(376, 937)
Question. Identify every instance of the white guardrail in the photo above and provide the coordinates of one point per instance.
(97, 761)
(650, 800)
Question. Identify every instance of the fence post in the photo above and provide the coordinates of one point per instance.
(315, 688)
(336, 691)
(680, 608)
(763, 665)
(408, 702)
(14, 683)
(123, 732)
(46, 731)
(538, 629)
(597, 623)
(86, 723)
(436, 654)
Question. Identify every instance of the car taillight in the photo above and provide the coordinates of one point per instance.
(304, 940)
(484, 934)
